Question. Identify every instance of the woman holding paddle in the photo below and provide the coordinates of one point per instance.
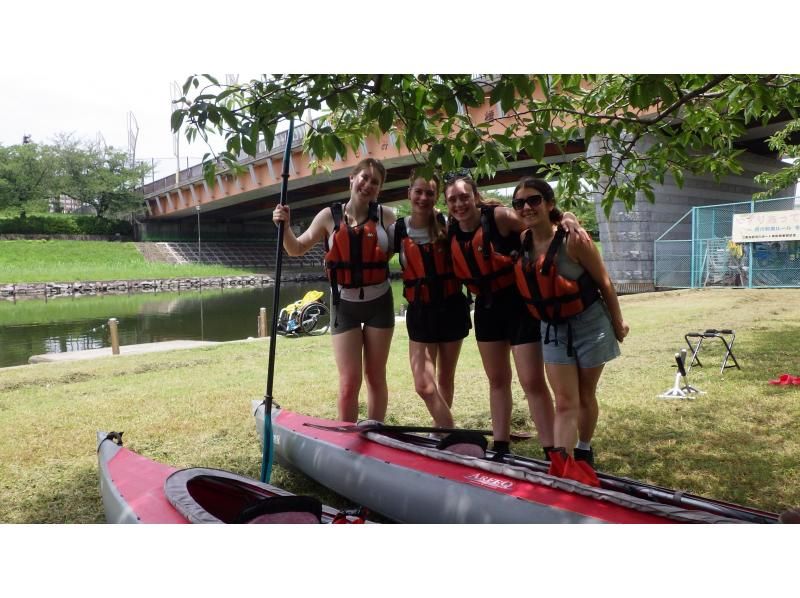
(565, 285)
(484, 237)
(437, 319)
(356, 261)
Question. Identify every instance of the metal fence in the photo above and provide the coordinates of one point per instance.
(697, 251)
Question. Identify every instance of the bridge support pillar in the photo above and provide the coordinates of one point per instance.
(627, 237)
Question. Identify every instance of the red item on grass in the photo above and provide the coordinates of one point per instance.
(785, 380)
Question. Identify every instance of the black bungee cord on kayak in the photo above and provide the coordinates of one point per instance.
(266, 461)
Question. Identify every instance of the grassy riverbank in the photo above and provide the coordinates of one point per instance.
(72, 261)
(740, 442)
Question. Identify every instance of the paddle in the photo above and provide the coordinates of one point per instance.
(379, 427)
(266, 461)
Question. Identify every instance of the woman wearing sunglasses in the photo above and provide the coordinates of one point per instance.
(356, 261)
(565, 285)
(437, 319)
(483, 239)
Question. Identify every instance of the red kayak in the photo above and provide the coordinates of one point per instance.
(136, 489)
(405, 477)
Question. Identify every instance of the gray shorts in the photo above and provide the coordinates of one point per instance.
(377, 313)
(593, 339)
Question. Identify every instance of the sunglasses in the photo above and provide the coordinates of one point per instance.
(532, 201)
(453, 175)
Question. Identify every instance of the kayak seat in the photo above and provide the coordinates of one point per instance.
(283, 509)
(469, 444)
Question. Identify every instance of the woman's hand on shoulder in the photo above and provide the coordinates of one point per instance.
(569, 222)
(508, 221)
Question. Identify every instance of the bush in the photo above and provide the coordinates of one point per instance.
(64, 225)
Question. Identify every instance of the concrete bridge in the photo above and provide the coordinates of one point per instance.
(241, 205)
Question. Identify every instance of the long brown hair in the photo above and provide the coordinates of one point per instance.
(480, 200)
(436, 231)
(543, 187)
(370, 163)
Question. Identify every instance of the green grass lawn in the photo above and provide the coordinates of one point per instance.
(739, 442)
(73, 261)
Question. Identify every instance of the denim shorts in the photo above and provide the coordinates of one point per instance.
(593, 339)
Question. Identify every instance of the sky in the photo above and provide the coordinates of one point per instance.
(79, 68)
(86, 104)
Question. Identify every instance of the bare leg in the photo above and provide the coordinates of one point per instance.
(422, 357)
(376, 353)
(589, 410)
(497, 365)
(564, 380)
(347, 348)
(446, 370)
(530, 371)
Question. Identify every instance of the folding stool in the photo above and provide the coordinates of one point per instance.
(712, 333)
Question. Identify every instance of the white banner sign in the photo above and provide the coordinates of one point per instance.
(766, 226)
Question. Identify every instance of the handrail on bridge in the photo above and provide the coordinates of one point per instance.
(196, 171)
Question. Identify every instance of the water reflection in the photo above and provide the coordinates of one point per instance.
(33, 327)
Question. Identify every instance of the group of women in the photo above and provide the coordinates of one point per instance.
(533, 272)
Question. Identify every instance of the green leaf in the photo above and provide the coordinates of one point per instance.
(332, 101)
(497, 92)
(508, 99)
(269, 136)
(348, 100)
(373, 111)
(538, 147)
(250, 145)
(339, 145)
(187, 84)
(677, 174)
(386, 119)
(451, 106)
(176, 120)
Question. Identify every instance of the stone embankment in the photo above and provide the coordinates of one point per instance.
(38, 290)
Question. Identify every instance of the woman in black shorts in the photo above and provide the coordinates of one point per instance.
(362, 306)
(483, 239)
(437, 319)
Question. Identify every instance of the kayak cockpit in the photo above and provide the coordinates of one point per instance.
(216, 496)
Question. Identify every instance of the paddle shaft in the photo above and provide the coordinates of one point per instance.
(381, 428)
(266, 465)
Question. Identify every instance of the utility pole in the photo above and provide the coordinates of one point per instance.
(199, 249)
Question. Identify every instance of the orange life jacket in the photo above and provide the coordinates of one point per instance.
(477, 263)
(549, 296)
(354, 257)
(428, 269)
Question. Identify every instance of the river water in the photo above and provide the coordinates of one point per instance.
(33, 327)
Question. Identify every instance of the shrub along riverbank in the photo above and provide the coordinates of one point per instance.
(739, 442)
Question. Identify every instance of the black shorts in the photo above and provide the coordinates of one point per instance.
(505, 319)
(377, 313)
(442, 323)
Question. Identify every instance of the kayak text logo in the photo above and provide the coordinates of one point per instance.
(485, 480)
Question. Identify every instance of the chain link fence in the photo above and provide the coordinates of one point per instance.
(698, 250)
